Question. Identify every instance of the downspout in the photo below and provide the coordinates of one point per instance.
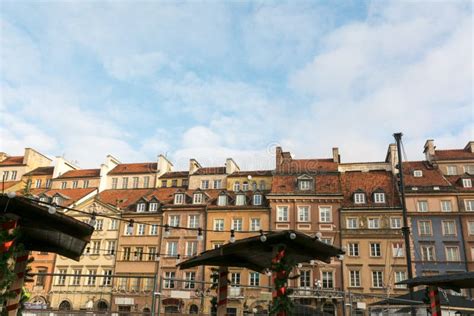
(461, 228)
(342, 266)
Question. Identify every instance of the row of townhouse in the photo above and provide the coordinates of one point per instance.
(351, 205)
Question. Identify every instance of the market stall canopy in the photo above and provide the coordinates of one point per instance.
(42, 231)
(456, 281)
(256, 255)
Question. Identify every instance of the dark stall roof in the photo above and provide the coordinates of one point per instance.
(456, 281)
(257, 255)
(41, 231)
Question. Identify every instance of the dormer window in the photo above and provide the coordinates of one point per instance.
(236, 186)
(359, 198)
(153, 207)
(379, 197)
(222, 200)
(245, 186)
(467, 183)
(179, 198)
(305, 183)
(240, 199)
(44, 199)
(57, 200)
(257, 199)
(198, 198)
(418, 173)
(141, 207)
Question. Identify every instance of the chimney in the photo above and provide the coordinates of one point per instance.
(335, 155)
(164, 165)
(62, 166)
(392, 157)
(429, 149)
(231, 166)
(278, 156)
(3, 156)
(110, 163)
(469, 147)
(193, 166)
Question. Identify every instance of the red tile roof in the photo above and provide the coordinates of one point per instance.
(175, 174)
(125, 198)
(453, 154)
(135, 168)
(431, 176)
(252, 173)
(210, 170)
(70, 195)
(7, 184)
(41, 171)
(456, 181)
(81, 173)
(323, 184)
(369, 182)
(12, 161)
(301, 166)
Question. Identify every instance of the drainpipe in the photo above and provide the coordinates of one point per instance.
(342, 268)
(461, 228)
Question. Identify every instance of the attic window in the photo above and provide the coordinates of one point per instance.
(197, 198)
(257, 199)
(418, 173)
(44, 199)
(436, 188)
(379, 197)
(240, 199)
(179, 198)
(141, 207)
(153, 207)
(467, 183)
(245, 186)
(222, 200)
(237, 186)
(57, 200)
(304, 184)
(359, 198)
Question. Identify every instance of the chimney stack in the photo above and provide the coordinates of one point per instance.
(193, 166)
(231, 166)
(469, 147)
(429, 149)
(335, 155)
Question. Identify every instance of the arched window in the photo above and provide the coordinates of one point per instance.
(102, 306)
(245, 186)
(146, 311)
(65, 306)
(254, 186)
(193, 309)
(237, 186)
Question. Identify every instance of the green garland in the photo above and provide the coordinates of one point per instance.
(281, 268)
(7, 263)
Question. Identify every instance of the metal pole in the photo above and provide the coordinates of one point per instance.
(161, 292)
(350, 302)
(405, 228)
(153, 298)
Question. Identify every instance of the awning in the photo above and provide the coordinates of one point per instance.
(455, 281)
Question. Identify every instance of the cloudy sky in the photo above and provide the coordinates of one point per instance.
(212, 80)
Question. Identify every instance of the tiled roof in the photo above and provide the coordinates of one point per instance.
(453, 154)
(323, 184)
(7, 184)
(232, 196)
(134, 168)
(125, 198)
(71, 195)
(300, 166)
(456, 181)
(210, 170)
(82, 173)
(370, 182)
(431, 176)
(41, 171)
(251, 173)
(175, 174)
(12, 161)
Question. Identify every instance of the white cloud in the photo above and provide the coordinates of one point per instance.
(136, 65)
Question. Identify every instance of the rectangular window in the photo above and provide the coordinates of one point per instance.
(397, 249)
(254, 279)
(470, 227)
(91, 277)
(113, 224)
(428, 253)
(139, 254)
(377, 279)
(153, 207)
(184, 182)
(38, 183)
(174, 183)
(85, 184)
(469, 169)
(173, 220)
(76, 279)
(352, 223)
(449, 228)
(5, 175)
(99, 224)
(111, 244)
(327, 241)
(328, 279)
(375, 250)
(424, 228)
(422, 206)
(198, 198)
(325, 214)
(124, 183)
(204, 184)
(107, 278)
(399, 277)
(379, 197)
(114, 183)
(141, 229)
(193, 221)
(469, 205)
(191, 248)
(219, 224)
(169, 284)
(359, 198)
(13, 176)
(452, 253)
(240, 199)
(61, 280)
(303, 213)
(151, 253)
(164, 183)
(257, 199)
(179, 198)
(353, 249)
(237, 224)
(128, 232)
(446, 206)
(304, 184)
(96, 247)
(75, 184)
(235, 278)
(395, 222)
(282, 214)
(48, 183)
(255, 224)
(467, 183)
(63, 185)
(452, 170)
(41, 276)
(217, 184)
(305, 278)
(374, 223)
(146, 182)
(141, 207)
(135, 183)
(172, 248)
(354, 278)
(126, 253)
(222, 200)
(190, 277)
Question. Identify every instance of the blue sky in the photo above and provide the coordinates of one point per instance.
(210, 79)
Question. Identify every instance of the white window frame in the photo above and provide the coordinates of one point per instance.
(14, 173)
(283, 213)
(373, 223)
(236, 186)
(451, 170)
(204, 184)
(245, 186)
(114, 183)
(328, 279)
(422, 206)
(470, 227)
(153, 207)
(422, 226)
(198, 198)
(444, 203)
(191, 248)
(353, 249)
(466, 183)
(253, 224)
(376, 251)
(38, 183)
(140, 229)
(448, 254)
(305, 279)
(222, 200)
(169, 284)
(379, 197)
(173, 220)
(397, 220)
(469, 205)
(193, 221)
(141, 207)
(113, 225)
(377, 279)
(352, 222)
(179, 198)
(399, 277)
(449, 227)
(240, 199)
(398, 251)
(190, 277)
(125, 183)
(172, 248)
(154, 229)
(354, 278)
(135, 182)
(304, 213)
(237, 224)
(325, 214)
(146, 182)
(304, 184)
(218, 224)
(359, 198)
(418, 173)
(257, 199)
(217, 184)
(254, 279)
(428, 253)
